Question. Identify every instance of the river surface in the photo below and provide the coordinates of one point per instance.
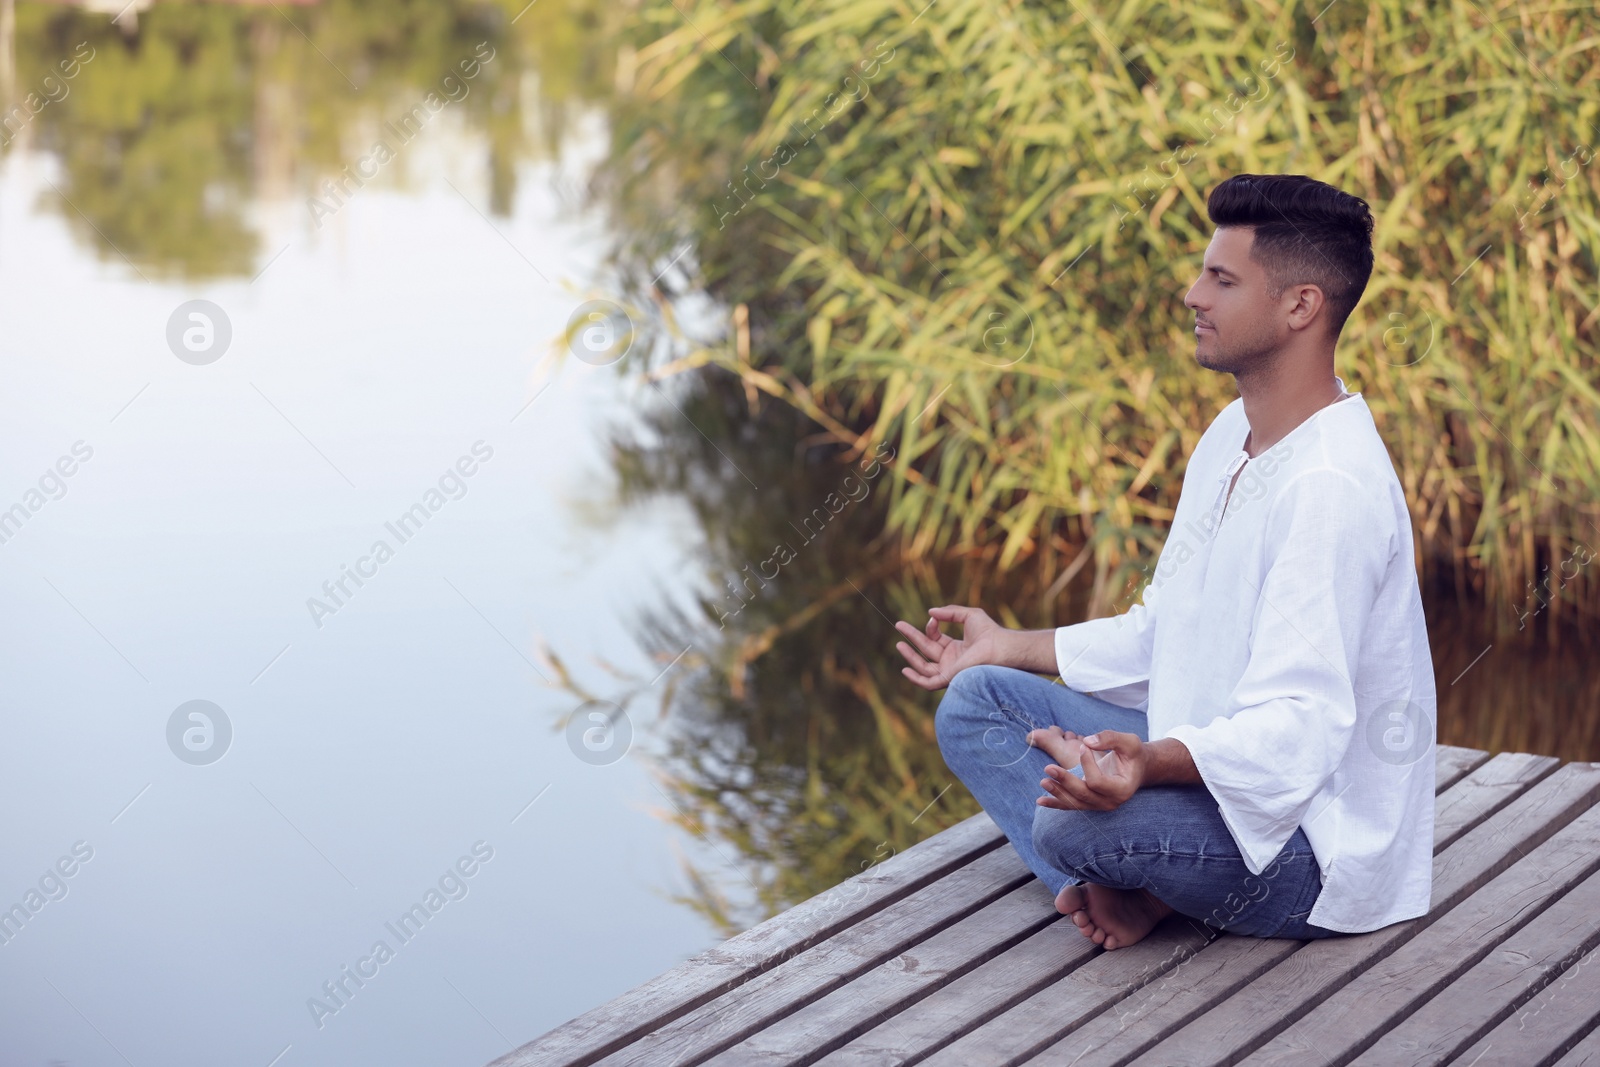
(374, 784)
(379, 683)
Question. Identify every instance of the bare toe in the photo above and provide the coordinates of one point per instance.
(1070, 899)
(1122, 917)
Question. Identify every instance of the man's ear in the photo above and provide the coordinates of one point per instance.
(1308, 301)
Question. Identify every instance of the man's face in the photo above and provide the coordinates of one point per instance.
(1238, 328)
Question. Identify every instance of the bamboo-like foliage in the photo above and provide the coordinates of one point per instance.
(966, 229)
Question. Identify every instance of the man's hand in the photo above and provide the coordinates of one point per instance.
(1118, 767)
(942, 656)
(937, 657)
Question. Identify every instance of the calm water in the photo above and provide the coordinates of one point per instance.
(394, 746)
(394, 546)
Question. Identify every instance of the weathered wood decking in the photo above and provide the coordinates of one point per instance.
(951, 953)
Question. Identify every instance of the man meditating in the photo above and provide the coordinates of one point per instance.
(1251, 746)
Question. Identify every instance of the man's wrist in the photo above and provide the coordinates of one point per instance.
(1027, 650)
(1168, 762)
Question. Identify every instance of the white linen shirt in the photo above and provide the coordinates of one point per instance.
(1283, 642)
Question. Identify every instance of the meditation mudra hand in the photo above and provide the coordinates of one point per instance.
(1067, 749)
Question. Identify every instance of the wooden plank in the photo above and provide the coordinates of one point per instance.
(1500, 985)
(692, 983)
(1585, 1053)
(1118, 1018)
(1447, 986)
(977, 996)
(1256, 1014)
(825, 967)
(827, 1023)
(1509, 772)
(1451, 764)
(1141, 1019)
(1016, 975)
(1548, 1027)
(1087, 992)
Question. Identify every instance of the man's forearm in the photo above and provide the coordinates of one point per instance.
(1168, 762)
(1027, 650)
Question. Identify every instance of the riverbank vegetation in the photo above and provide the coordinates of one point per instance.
(963, 229)
(966, 228)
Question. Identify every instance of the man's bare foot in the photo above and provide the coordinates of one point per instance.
(1111, 918)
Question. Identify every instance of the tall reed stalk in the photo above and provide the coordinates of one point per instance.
(980, 250)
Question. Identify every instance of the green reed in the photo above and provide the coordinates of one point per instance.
(980, 251)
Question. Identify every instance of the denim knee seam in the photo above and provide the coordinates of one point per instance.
(1021, 718)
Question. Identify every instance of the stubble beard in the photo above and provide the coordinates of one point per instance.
(1248, 355)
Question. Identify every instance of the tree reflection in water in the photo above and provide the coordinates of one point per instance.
(793, 738)
(177, 131)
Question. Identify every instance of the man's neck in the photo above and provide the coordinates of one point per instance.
(1275, 405)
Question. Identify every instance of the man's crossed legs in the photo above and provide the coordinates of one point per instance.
(1117, 873)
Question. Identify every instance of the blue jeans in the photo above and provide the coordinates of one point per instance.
(1168, 839)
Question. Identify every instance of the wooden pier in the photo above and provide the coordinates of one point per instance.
(952, 954)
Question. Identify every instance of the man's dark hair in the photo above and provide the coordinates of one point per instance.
(1306, 233)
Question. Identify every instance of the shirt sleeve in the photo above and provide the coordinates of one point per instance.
(1292, 716)
(1111, 657)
